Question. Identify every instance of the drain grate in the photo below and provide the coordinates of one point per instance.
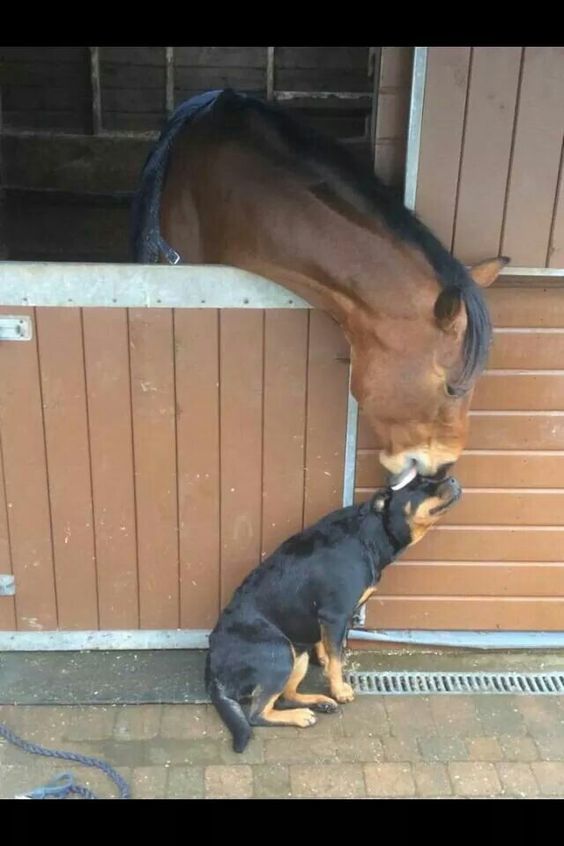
(414, 683)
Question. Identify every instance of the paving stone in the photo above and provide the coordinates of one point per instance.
(333, 781)
(472, 778)
(389, 780)
(228, 782)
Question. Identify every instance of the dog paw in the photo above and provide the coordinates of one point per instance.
(343, 693)
(304, 717)
(326, 706)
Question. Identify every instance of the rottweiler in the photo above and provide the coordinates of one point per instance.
(303, 597)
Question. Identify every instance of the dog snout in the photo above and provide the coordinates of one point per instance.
(450, 487)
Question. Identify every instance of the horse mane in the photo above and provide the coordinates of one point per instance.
(301, 146)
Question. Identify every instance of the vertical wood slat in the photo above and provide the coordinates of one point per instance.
(106, 350)
(197, 390)
(270, 69)
(285, 372)
(96, 88)
(169, 80)
(241, 386)
(59, 337)
(486, 152)
(536, 157)
(327, 391)
(25, 475)
(441, 138)
(7, 603)
(555, 253)
(154, 444)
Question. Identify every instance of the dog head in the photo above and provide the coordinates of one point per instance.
(409, 513)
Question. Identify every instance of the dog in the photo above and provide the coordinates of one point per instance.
(303, 597)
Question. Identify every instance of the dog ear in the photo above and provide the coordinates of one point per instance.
(380, 501)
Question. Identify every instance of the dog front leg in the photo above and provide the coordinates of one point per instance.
(333, 636)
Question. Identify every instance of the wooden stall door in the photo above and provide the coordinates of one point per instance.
(151, 457)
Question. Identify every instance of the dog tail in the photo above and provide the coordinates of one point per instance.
(232, 715)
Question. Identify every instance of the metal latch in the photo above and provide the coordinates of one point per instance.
(7, 585)
(15, 328)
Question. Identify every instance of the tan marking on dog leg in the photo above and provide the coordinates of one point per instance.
(300, 717)
(366, 596)
(322, 656)
(340, 690)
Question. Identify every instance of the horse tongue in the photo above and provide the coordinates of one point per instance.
(405, 477)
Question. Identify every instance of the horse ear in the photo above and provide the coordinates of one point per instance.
(447, 308)
(487, 271)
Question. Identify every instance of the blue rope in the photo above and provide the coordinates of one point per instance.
(64, 784)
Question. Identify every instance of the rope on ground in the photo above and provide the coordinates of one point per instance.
(64, 784)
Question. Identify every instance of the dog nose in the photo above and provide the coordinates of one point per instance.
(451, 485)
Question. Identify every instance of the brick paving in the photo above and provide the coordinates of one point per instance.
(376, 747)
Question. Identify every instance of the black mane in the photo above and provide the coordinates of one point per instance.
(347, 177)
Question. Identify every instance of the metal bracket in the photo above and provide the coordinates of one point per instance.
(15, 328)
(7, 585)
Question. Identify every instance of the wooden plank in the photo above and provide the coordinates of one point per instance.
(25, 476)
(74, 164)
(502, 507)
(241, 387)
(45, 74)
(285, 364)
(64, 121)
(441, 137)
(536, 157)
(61, 357)
(128, 56)
(66, 97)
(327, 389)
(516, 391)
(106, 352)
(527, 350)
(530, 307)
(519, 431)
(7, 603)
(32, 55)
(134, 77)
(219, 57)
(393, 114)
(556, 245)
(498, 431)
(135, 122)
(95, 90)
(489, 543)
(519, 508)
(454, 578)
(396, 67)
(154, 444)
(488, 469)
(244, 79)
(323, 79)
(480, 613)
(135, 100)
(389, 163)
(197, 397)
(492, 99)
(322, 58)
(169, 87)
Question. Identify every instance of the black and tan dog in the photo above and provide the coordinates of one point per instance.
(304, 595)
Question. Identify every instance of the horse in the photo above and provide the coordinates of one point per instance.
(237, 181)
